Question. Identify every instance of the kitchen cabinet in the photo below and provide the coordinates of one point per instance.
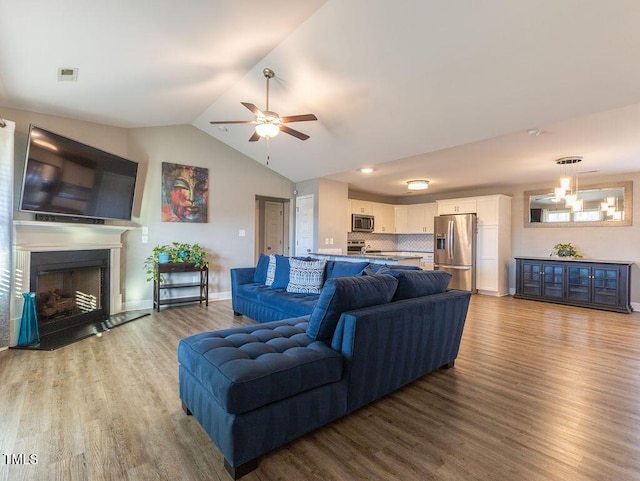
(361, 207)
(596, 284)
(493, 251)
(415, 218)
(384, 218)
(457, 206)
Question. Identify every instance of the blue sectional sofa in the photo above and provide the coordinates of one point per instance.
(265, 302)
(258, 387)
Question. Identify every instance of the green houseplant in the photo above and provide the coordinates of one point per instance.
(565, 250)
(177, 252)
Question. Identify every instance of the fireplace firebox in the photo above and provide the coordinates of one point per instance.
(72, 288)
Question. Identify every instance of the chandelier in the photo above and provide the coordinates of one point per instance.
(568, 189)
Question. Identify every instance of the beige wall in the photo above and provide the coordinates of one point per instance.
(329, 212)
(235, 180)
(606, 243)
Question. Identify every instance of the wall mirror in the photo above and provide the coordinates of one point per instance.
(602, 205)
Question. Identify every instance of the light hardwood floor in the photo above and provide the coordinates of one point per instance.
(539, 392)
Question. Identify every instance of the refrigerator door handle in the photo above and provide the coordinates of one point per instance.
(456, 268)
(450, 240)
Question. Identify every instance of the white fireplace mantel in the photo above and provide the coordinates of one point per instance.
(34, 236)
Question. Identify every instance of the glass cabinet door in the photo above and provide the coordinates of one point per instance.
(531, 278)
(553, 281)
(605, 285)
(579, 283)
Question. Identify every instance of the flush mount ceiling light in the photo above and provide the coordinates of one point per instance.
(417, 184)
(366, 170)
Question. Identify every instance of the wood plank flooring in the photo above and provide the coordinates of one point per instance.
(539, 392)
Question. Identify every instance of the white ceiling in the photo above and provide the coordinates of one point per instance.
(444, 91)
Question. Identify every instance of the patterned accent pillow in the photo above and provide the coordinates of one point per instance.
(306, 276)
(271, 270)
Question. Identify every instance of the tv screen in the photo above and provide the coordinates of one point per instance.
(66, 177)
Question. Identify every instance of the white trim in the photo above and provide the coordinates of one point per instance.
(148, 303)
(33, 236)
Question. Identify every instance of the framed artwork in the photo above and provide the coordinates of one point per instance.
(185, 193)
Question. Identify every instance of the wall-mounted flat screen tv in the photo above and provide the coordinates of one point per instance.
(69, 178)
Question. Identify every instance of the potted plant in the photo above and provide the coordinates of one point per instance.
(174, 252)
(565, 250)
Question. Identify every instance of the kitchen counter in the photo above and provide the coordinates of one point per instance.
(374, 258)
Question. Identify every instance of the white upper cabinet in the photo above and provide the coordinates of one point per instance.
(415, 218)
(384, 218)
(361, 207)
(468, 205)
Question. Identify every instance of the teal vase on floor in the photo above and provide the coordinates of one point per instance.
(29, 333)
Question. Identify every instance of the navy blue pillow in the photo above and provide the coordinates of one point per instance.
(282, 272)
(260, 274)
(341, 294)
(345, 268)
(376, 267)
(419, 283)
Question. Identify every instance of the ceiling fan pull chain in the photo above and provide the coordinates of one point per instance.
(267, 139)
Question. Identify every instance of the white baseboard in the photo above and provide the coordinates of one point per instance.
(148, 303)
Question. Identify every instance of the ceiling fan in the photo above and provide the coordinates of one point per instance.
(269, 124)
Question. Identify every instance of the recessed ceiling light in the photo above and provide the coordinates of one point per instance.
(366, 170)
(534, 132)
(417, 184)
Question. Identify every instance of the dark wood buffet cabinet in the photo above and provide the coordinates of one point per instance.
(577, 282)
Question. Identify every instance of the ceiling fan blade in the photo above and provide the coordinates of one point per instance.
(298, 118)
(215, 122)
(295, 133)
(254, 137)
(256, 111)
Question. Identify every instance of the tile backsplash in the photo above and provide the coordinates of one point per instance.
(396, 242)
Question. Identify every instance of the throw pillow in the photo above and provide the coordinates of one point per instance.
(281, 278)
(306, 276)
(260, 274)
(345, 268)
(419, 283)
(343, 294)
(271, 271)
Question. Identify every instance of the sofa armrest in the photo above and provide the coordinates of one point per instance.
(242, 275)
(391, 345)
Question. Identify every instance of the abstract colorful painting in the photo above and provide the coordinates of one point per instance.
(185, 193)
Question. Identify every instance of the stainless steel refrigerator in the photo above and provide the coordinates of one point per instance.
(455, 249)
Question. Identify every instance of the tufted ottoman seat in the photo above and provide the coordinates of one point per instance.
(248, 367)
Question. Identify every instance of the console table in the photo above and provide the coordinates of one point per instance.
(577, 282)
(176, 276)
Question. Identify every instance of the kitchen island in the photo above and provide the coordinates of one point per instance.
(391, 259)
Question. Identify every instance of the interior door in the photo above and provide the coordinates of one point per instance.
(304, 225)
(274, 228)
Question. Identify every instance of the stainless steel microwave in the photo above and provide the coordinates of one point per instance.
(361, 223)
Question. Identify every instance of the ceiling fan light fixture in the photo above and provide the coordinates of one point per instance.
(417, 184)
(267, 130)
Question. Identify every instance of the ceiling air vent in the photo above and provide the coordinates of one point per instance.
(67, 74)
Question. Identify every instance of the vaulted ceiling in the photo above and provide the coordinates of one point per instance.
(445, 91)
